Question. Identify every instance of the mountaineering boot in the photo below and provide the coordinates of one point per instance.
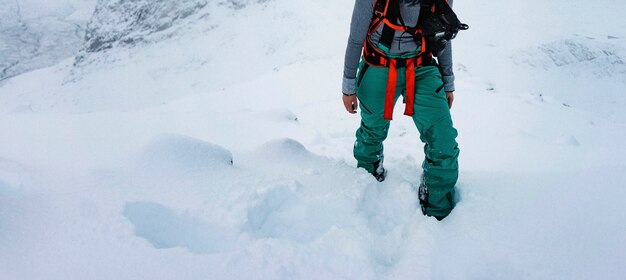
(379, 172)
(422, 194)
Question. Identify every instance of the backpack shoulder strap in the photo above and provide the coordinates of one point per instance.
(391, 13)
(380, 8)
(426, 10)
(442, 6)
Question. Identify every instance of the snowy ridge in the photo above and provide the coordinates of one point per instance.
(578, 56)
(35, 35)
(126, 23)
(210, 143)
(122, 23)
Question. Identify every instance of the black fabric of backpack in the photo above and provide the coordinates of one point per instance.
(440, 26)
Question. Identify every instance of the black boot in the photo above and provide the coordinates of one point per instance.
(422, 193)
(379, 172)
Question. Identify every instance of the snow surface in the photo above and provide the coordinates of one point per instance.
(218, 148)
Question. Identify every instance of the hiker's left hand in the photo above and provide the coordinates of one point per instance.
(450, 97)
(351, 103)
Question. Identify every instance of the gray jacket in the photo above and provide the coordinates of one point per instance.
(361, 19)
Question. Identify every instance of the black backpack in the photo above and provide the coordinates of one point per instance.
(439, 24)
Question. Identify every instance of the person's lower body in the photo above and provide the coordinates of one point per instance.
(432, 119)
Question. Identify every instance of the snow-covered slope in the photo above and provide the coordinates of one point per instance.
(207, 140)
(36, 34)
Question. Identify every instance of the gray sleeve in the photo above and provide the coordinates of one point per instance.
(446, 66)
(361, 19)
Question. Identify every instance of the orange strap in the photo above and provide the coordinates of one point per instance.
(393, 26)
(410, 86)
(392, 80)
(391, 89)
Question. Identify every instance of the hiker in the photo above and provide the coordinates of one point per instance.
(397, 60)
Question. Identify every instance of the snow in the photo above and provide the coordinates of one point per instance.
(174, 152)
(218, 148)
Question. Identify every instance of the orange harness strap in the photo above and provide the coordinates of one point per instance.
(410, 87)
(392, 80)
(391, 89)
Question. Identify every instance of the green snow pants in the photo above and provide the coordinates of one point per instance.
(432, 119)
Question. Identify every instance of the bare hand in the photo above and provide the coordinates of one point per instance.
(450, 97)
(351, 103)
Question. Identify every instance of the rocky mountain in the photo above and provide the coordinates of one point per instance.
(128, 22)
(124, 23)
(36, 34)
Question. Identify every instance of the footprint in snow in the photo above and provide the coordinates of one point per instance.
(164, 229)
(283, 214)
